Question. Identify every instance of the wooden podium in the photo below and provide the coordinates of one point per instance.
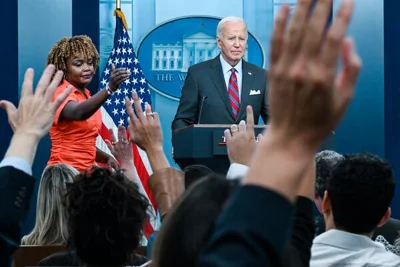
(204, 144)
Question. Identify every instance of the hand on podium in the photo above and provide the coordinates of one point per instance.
(241, 141)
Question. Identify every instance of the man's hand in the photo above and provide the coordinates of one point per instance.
(144, 129)
(306, 98)
(240, 140)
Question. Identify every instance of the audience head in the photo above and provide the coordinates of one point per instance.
(325, 161)
(191, 222)
(106, 213)
(195, 172)
(232, 39)
(359, 192)
(51, 221)
(77, 57)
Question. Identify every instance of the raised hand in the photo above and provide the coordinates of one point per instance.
(121, 148)
(240, 140)
(35, 112)
(306, 97)
(144, 129)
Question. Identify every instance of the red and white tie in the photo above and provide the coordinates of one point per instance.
(233, 92)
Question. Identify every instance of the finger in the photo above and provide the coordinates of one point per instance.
(250, 118)
(27, 85)
(45, 80)
(109, 145)
(234, 129)
(131, 132)
(295, 30)
(112, 136)
(316, 27)
(149, 114)
(53, 85)
(278, 33)
(112, 67)
(334, 39)
(122, 133)
(347, 78)
(60, 99)
(8, 107)
(228, 135)
(259, 137)
(132, 116)
(137, 106)
(242, 126)
(156, 118)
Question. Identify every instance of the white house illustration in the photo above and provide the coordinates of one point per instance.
(180, 56)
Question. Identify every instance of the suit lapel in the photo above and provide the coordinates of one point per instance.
(247, 82)
(219, 81)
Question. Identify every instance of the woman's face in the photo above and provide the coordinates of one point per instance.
(80, 71)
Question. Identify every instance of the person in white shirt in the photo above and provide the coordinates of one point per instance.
(356, 201)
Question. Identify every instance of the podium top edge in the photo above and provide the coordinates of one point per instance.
(225, 126)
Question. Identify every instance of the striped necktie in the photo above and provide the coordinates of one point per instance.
(233, 92)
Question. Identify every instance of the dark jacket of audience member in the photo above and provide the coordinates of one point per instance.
(16, 189)
(190, 224)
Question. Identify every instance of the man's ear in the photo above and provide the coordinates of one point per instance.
(385, 217)
(326, 204)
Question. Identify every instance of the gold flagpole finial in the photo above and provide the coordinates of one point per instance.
(118, 4)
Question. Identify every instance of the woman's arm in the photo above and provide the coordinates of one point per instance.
(82, 111)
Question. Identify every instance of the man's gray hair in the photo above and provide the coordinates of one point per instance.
(325, 162)
(225, 20)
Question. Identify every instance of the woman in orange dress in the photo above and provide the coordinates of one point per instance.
(78, 120)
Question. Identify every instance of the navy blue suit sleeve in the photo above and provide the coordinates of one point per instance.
(264, 108)
(253, 230)
(299, 250)
(16, 188)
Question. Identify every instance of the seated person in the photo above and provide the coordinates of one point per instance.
(51, 222)
(357, 200)
(106, 215)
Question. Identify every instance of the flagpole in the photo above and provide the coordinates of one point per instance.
(118, 4)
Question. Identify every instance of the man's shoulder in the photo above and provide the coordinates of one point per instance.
(254, 67)
(202, 65)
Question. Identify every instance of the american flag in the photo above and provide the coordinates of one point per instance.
(114, 111)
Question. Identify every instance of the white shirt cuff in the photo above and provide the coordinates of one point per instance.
(17, 163)
(237, 171)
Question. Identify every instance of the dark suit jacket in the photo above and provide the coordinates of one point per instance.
(207, 80)
(16, 189)
(253, 230)
(299, 249)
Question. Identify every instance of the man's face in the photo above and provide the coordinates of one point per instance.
(233, 41)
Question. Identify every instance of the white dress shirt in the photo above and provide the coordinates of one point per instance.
(17, 163)
(338, 248)
(226, 69)
(237, 171)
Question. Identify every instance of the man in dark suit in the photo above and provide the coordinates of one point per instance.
(217, 91)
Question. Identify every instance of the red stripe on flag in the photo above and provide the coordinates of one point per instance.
(142, 173)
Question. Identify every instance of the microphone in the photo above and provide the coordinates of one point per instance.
(201, 108)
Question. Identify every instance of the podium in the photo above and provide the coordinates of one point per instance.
(204, 144)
